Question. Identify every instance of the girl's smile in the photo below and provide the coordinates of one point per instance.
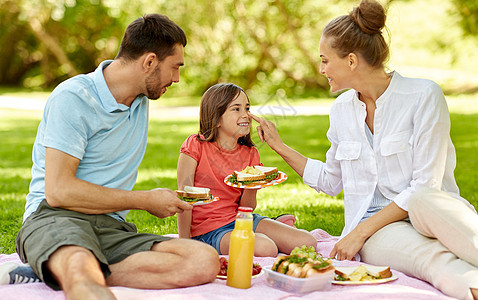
(235, 121)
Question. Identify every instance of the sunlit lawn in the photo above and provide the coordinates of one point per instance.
(306, 133)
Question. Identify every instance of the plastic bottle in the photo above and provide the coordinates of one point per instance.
(241, 251)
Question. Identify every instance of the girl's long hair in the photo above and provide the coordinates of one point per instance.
(214, 103)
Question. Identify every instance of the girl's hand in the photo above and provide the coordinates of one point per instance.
(347, 247)
(248, 199)
(267, 131)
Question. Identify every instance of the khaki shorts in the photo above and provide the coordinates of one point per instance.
(48, 228)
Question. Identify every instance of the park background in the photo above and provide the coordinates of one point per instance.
(269, 47)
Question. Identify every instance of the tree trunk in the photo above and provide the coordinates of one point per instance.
(52, 45)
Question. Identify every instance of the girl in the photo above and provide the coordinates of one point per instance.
(223, 145)
(392, 155)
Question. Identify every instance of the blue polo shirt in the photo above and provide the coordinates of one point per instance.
(83, 119)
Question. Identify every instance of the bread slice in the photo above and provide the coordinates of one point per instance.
(267, 170)
(363, 271)
(191, 193)
(270, 172)
(379, 272)
(241, 176)
(278, 262)
(254, 175)
(196, 190)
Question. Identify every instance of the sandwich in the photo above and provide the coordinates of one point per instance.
(301, 266)
(193, 194)
(254, 175)
(362, 273)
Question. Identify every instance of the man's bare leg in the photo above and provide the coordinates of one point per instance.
(79, 274)
(171, 264)
(474, 292)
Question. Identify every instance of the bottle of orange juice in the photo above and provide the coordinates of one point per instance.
(241, 251)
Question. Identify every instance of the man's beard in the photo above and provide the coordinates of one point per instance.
(152, 90)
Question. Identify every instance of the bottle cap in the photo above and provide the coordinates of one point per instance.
(245, 209)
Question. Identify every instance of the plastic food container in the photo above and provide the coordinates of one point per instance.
(291, 284)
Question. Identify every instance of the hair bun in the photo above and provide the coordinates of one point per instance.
(369, 16)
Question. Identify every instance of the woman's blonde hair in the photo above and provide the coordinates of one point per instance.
(360, 32)
(214, 103)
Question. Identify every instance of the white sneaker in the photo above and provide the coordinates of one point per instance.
(13, 273)
(5, 270)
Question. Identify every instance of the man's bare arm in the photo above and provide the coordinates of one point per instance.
(63, 189)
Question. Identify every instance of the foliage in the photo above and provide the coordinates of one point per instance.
(427, 42)
(264, 46)
(468, 10)
(264, 43)
(49, 41)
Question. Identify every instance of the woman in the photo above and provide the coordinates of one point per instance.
(392, 155)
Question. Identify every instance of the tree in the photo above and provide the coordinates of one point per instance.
(16, 59)
(49, 41)
(468, 10)
(262, 46)
(256, 44)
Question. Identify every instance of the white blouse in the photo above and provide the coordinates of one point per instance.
(411, 148)
(378, 201)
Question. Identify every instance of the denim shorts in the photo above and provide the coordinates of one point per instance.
(214, 237)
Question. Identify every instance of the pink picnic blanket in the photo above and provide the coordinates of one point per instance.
(404, 287)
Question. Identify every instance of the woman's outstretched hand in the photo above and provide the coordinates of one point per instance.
(267, 131)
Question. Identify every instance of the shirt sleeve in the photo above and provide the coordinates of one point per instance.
(192, 147)
(325, 177)
(66, 124)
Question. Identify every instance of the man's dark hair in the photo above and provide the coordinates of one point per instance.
(151, 33)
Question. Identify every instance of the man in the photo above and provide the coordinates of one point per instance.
(89, 145)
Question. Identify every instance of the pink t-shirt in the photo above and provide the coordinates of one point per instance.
(214, 164)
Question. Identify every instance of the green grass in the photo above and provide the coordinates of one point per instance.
(313, 210)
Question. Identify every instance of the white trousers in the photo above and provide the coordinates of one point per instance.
(440, 245)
